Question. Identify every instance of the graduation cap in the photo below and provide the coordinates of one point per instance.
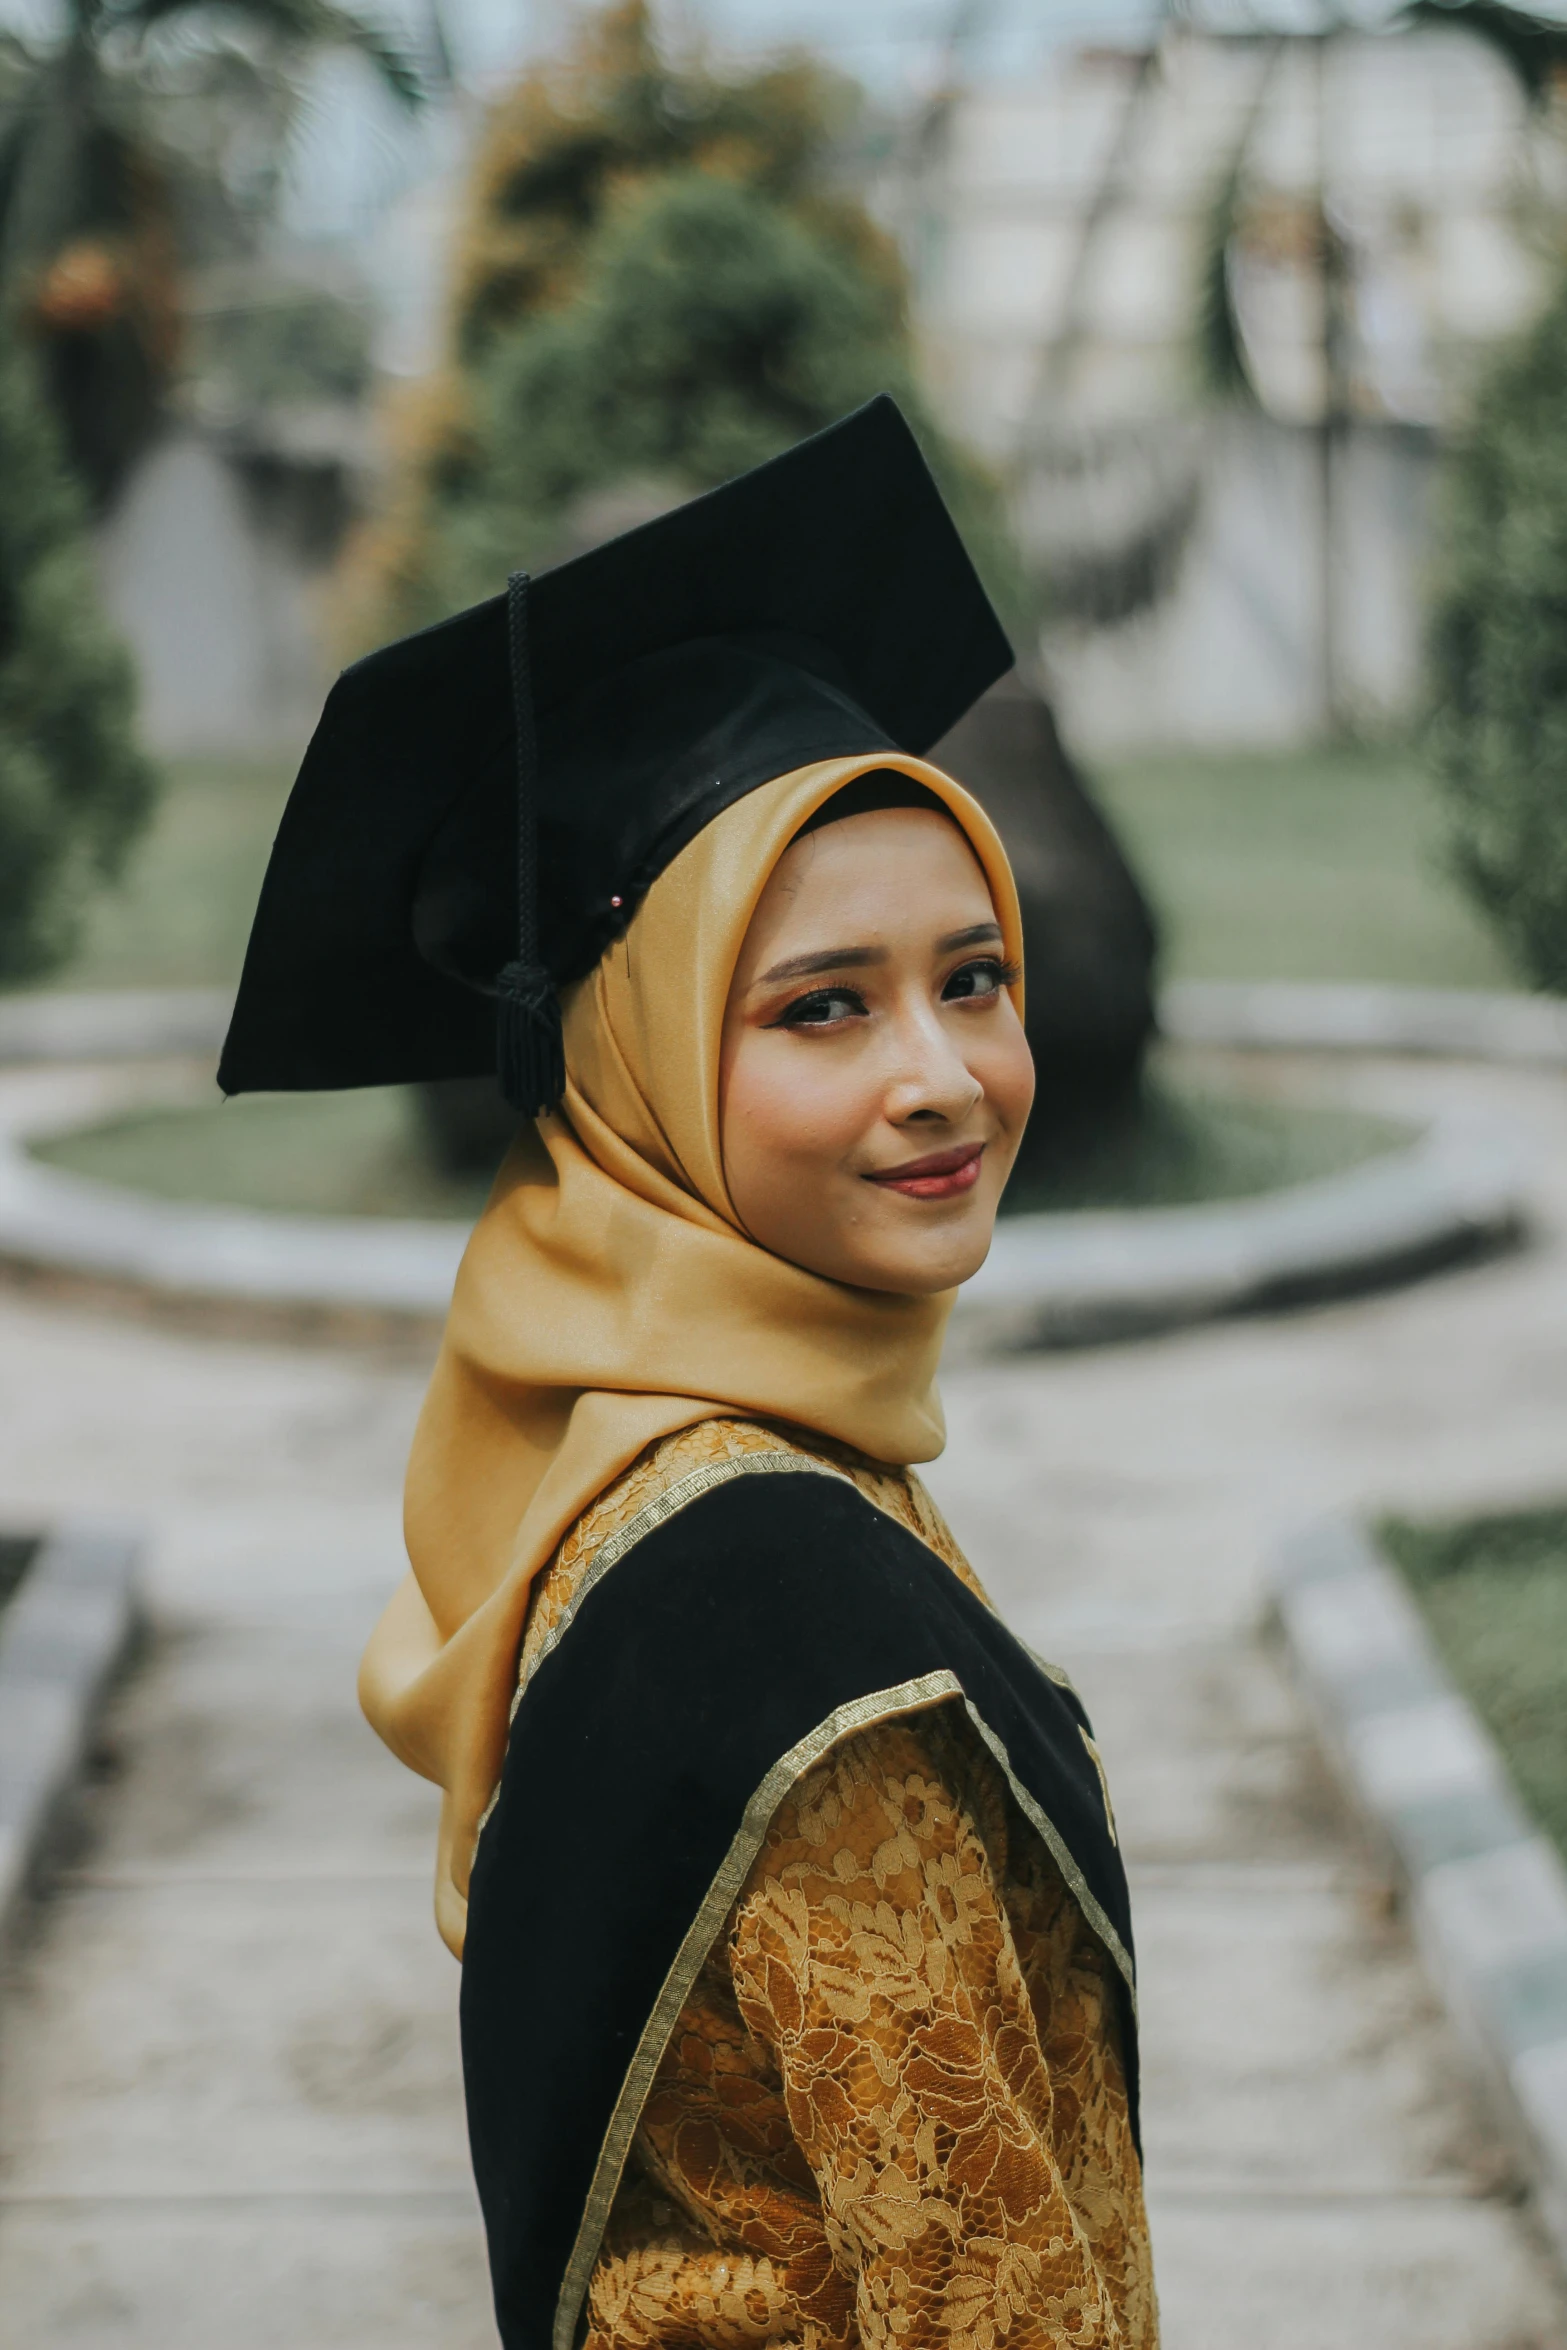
(484, 805)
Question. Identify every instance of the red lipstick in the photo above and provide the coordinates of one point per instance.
(943, 1175)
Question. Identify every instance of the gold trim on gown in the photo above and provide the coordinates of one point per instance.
(886, 2104)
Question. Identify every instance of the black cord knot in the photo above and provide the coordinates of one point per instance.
(530, 1056)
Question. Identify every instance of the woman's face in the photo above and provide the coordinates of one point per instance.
(875, 1078)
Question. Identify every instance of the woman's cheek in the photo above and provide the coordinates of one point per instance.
(1006, 1070)
(799, 1101)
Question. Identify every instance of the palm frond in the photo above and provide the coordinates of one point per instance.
(1222, 365)
(1534, 48)
(1219, 343)
(17, 56)
(57, 161)
(297, 24)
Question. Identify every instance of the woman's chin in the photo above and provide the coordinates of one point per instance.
(917, 1248)
(927, 1264)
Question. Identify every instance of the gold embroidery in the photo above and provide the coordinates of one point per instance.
(892, 2112)
(881, 1705)
(1056, 1673)
(927, 2157)
(1060, 1852)
(1104, 1785)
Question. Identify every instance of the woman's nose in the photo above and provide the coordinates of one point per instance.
(930, 1079)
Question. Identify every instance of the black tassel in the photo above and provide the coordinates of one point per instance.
(530, 1058)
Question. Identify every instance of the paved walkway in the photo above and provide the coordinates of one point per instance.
(230, 2114)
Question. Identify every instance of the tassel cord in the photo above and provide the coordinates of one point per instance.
(530, 1055)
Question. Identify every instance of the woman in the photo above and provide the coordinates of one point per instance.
(797, 2000)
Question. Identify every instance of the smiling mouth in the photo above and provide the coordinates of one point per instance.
(944, 1175)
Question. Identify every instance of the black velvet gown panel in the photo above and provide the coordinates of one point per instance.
(733, 1645)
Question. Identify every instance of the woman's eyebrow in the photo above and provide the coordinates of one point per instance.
(856, 958)
(982, 934)
(830, 959)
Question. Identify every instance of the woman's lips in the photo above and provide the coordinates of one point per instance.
(944, 1175)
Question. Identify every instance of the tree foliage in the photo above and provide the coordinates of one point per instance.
(660, 285)
(1499, 650)
(91, 185)
(574, 138)
(1532, 46)
(73, 786)
(710, 330)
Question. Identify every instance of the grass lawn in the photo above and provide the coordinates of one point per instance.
(1299, 865)
(1287, 865)
(336, 1154)
(180, 915)
(1494, 1590)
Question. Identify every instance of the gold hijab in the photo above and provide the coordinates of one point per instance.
(610, 1295)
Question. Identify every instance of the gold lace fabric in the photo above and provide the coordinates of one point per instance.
(893, 2109)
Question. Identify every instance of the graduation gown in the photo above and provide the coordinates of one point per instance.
(798, 1999)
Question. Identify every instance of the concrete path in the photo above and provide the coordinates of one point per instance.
(229, 2113)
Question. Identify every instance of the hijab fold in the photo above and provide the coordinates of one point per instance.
(610, 1295)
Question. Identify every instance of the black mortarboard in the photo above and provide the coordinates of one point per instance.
(484, 805)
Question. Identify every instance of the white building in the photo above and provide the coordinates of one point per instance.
(1058, 226)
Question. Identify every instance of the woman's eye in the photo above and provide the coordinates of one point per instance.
(821, 1008)
(986, 977)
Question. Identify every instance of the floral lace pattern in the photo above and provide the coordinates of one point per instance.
(893, 2110)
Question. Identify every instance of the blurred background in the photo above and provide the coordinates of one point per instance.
(1233, 334)
(1236, 334)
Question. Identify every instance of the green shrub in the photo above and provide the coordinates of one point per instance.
(1499, 646)
(615, 109)
(771, 302)
(711, 329)
(74, 788)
